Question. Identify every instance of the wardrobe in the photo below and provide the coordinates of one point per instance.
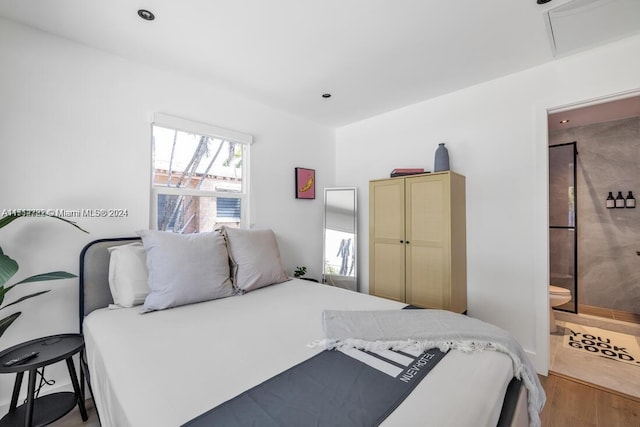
(417, 240)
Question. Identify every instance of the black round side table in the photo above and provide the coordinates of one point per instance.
(48, 408)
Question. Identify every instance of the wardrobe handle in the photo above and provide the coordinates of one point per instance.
(407, 242)
(401, 241)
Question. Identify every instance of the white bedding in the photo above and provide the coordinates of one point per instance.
(165, 368)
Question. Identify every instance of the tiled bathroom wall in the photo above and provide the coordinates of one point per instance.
(608, 239)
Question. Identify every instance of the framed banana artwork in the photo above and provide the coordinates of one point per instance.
(305, 183)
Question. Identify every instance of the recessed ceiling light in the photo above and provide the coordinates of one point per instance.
(326, 95)
(564, 121)
(146, 15)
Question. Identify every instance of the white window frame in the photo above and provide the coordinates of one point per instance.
(184, 125)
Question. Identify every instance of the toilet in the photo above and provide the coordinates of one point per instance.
(557, 296)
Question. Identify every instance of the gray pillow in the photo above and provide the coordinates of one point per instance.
(185, 268)
(255, 258)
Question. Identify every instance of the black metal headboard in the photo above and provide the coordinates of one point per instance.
(94, 289)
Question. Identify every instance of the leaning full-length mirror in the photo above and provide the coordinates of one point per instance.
(340, 237)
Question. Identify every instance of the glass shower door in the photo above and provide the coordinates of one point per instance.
(563, 230)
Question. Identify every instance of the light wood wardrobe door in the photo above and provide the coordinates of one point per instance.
(428, 232)
(386, 239)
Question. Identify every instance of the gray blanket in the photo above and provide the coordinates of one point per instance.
(397, 329)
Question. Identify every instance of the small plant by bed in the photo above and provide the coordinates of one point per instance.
(300, 271)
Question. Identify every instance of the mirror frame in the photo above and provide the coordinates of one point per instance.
(325, 276)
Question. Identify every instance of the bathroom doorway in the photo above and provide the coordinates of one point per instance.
(593, 150)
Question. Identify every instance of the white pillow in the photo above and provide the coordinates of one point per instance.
(185, 268)
(255, 258)
(128, 275)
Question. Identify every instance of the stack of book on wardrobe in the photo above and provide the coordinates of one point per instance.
(406, 171)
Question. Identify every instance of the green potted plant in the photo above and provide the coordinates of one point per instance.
(9, 267)
(300, 271)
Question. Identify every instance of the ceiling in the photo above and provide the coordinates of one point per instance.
(373, 56)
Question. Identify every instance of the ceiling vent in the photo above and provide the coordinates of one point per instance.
(580, 24)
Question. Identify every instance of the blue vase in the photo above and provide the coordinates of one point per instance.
(442, 159)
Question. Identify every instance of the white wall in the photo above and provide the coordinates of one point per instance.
(75, 133)
(497, 137)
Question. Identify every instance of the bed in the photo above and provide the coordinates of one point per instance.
(169, 366)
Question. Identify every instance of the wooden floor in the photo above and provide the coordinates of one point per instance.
(571, 403)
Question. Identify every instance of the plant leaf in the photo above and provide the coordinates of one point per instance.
(35, 213)
(7, 321)
(35, 294)
(8, 267)
(53, 275)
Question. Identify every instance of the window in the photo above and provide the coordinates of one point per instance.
(199, 176)
(228, 208)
